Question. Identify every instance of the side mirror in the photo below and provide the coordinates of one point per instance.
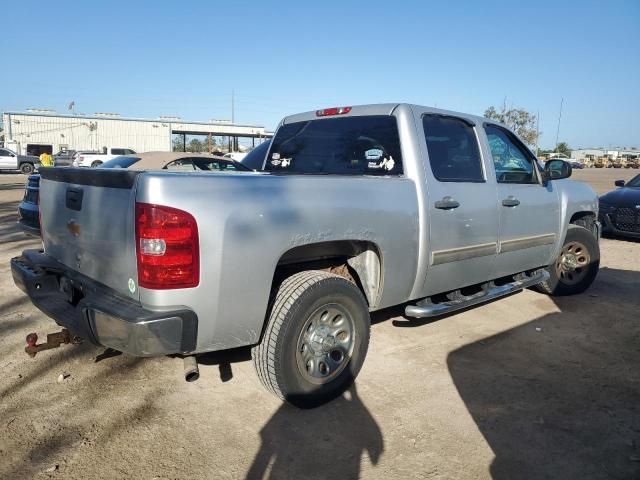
(619, 183)
(557, 169)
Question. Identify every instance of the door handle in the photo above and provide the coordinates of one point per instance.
(511, 201)
(447, 203)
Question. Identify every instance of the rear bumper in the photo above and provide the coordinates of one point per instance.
(99, 314)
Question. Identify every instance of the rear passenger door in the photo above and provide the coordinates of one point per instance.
(463, 217)
(529, 210)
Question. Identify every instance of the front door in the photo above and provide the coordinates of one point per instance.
(463, 215)
(529, 211)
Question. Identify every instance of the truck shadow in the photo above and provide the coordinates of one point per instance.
(559, 397)
(67, 433)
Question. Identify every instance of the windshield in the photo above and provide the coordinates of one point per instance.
(634, 182)
(120, 162)
(359, 145)
(255, 158)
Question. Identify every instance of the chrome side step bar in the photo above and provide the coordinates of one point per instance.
(457, 301)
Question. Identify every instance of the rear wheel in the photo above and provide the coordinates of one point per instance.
(27, 168)
(95, 164)
(576, 267)
(316, 339)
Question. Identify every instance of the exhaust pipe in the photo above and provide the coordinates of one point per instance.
(191, 371)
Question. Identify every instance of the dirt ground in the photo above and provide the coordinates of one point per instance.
(524, 387)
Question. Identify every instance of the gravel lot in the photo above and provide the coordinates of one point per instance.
(525, 387)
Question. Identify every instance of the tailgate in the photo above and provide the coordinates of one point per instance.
(87, 220)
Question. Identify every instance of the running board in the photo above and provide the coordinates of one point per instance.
(490, 291)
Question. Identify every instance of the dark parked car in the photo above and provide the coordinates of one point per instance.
(28, 209)
(578, 165)
(620, 209)
(63, 158)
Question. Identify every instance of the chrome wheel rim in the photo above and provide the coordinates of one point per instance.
(325, 343)
(573, 262)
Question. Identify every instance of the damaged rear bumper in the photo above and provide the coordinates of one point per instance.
(99, 314)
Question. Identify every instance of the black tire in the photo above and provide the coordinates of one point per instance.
(559, 284)
(95, 164)
(27, 168)
(276, 358)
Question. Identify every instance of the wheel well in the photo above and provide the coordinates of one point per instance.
(358, 261)
(584, 219)
(583, 215)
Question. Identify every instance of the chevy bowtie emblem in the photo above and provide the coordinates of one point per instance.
(73, 227)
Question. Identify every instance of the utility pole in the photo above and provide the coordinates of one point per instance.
(559, 118)
(233, 106)
(537, 131)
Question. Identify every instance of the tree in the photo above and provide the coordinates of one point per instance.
(518, 119)
(195, 145)
(563, 148)
(177, 144)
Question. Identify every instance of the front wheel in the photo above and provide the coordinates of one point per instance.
(316, 339)
(95, 164)
(576, 267)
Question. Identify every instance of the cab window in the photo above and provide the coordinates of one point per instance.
(453, 150)
(513, 163)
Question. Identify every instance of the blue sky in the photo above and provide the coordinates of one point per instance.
(184, 58)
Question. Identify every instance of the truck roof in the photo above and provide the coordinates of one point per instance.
(385, 109)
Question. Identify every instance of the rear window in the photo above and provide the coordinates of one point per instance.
(120, 162)
(337, 146)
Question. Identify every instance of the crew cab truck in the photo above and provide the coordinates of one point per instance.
(95, 159)
(10, 160)
(356, 209)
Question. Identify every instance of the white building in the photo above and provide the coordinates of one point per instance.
(38, 131)
(583, 153)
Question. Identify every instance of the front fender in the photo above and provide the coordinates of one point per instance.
(575, 197)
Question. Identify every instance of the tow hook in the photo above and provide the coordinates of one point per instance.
(54, 340)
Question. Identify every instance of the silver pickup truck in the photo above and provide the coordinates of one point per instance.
(356, 209)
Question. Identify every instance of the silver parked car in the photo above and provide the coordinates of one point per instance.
(355, 209)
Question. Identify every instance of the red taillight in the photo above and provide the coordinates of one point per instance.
(167, 247)
(333, 111)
